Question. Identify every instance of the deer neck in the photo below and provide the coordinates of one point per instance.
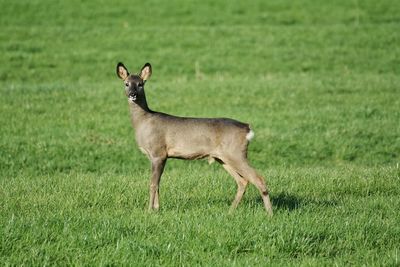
(139, 110)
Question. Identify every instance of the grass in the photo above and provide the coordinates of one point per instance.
(319, 83)
(323, 216)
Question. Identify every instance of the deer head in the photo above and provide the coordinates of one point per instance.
(134, 83)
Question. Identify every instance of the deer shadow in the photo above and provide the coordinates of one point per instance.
(290, 202)
(286, 201)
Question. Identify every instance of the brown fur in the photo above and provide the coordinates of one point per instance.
(161, 136)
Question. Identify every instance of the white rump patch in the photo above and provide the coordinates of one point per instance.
(250, 135)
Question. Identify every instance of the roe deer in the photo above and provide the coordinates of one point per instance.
(161, 136)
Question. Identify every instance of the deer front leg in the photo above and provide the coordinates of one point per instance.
(157, 168)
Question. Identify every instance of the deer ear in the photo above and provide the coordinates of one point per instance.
(145, 73)
(122, 72)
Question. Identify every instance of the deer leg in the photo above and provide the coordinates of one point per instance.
(265, 196)
(241, 184)
(243, 169)
(157, 168)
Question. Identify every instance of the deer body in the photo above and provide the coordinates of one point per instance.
(161, 136)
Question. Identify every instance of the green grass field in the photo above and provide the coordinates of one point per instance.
(318, 81)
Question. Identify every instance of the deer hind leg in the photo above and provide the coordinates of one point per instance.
(241, 184)
(157, 168)
(244, 170)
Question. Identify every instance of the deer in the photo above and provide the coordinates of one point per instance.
(161, 136)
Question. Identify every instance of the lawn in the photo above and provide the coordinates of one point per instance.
(318, 82)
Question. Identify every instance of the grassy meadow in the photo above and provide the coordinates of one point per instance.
(319, 82)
